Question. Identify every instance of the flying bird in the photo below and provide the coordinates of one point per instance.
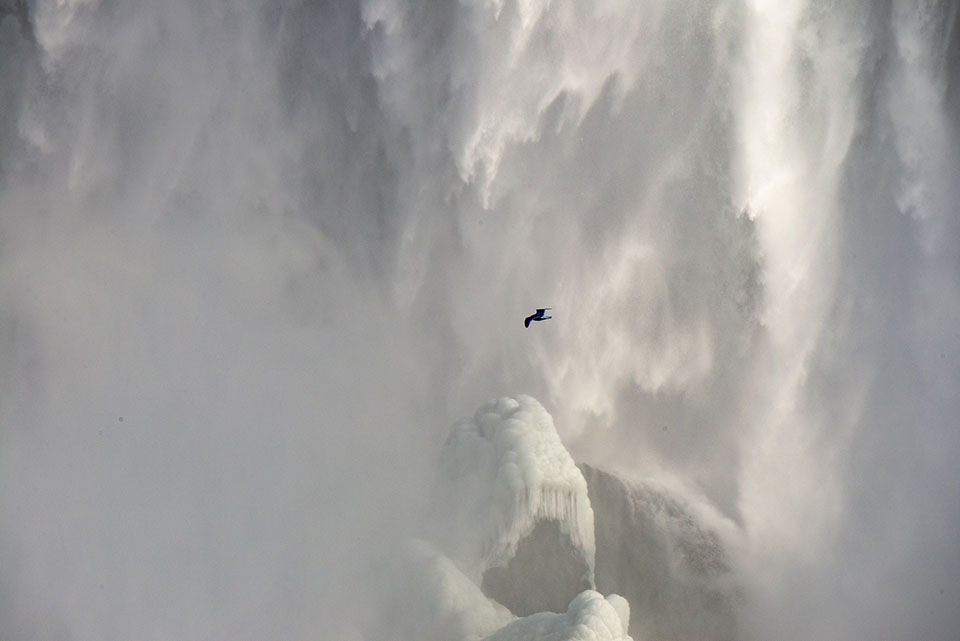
(539, 316)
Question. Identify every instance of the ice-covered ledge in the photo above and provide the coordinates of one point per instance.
(504, 471)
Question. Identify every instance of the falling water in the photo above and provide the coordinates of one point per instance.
(256, 257)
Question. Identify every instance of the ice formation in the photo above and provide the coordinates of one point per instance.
(513, 554)
(590, 617)
(514, 532)
(505, 470)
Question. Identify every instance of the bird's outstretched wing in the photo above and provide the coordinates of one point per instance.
(540, 315)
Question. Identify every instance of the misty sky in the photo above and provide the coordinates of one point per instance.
(256, 257)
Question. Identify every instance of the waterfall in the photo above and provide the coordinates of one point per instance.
(256, 256)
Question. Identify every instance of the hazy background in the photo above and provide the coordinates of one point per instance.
(256, 257)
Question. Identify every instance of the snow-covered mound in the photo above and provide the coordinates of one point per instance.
(590, 617)
(503, 472)
(670, 566)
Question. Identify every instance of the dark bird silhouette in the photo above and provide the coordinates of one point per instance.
(539, 316)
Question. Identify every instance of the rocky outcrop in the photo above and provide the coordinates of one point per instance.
(544, 575)
(670, 567)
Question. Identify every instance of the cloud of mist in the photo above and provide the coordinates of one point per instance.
(256, 257)
(209, 414)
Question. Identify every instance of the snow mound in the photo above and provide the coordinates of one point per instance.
(590, 617)
(505, 470)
